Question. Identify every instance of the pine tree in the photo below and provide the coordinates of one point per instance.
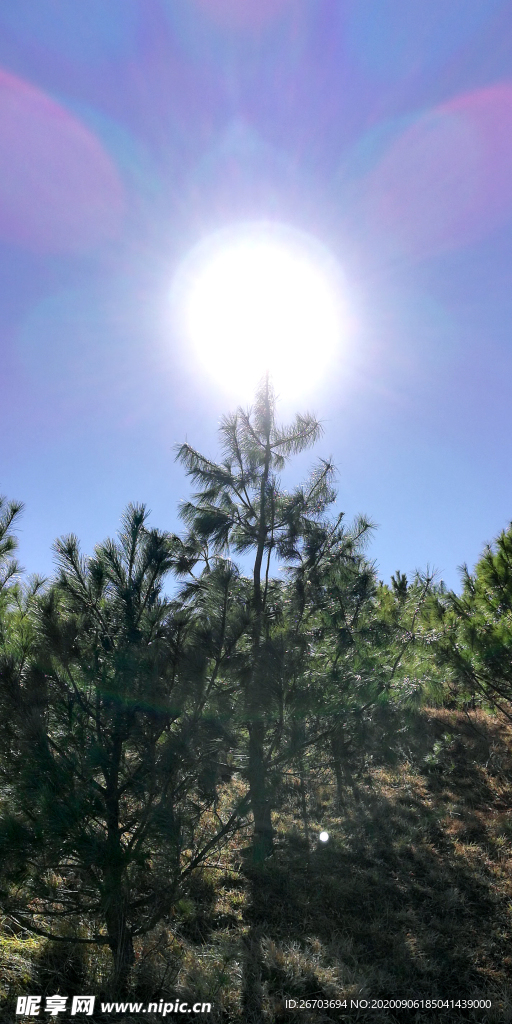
(473, 630)
(240, 508)
(10, 512)
(112, 735)
(357, 641)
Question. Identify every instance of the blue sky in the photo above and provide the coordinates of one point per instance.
(130, 131)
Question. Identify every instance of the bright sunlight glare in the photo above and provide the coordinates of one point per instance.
(261, 298)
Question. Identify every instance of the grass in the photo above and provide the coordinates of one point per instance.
(411, 897)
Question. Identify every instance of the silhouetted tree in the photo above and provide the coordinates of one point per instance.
(241, 508)
(113, 730)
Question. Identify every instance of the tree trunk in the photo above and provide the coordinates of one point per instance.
(114, 896)
(304, 811)
(342, 764)
(338, 751)
(119, 936)
(260, 803)
(263, 844)
(252, 990)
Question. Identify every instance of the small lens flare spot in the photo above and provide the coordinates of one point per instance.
(323, 837)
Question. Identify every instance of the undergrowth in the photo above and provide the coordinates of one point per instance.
(410, 898)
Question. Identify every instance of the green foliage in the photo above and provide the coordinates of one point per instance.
(10, 512)
(474, 630)
(435, 760)
(361, 643)
(411, 893)
(10, 572)
(137, 731)
(18, 964)
(110, 727)
(240, 507)
(307, 656)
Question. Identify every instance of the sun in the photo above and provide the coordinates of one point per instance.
(261, 298)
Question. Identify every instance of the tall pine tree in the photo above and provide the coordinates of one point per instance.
(240, 508)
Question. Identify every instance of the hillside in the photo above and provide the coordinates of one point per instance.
(409, 899)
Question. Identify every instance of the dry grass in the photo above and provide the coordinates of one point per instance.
(411, 898)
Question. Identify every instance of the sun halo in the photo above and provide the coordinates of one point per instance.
(261, 299)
